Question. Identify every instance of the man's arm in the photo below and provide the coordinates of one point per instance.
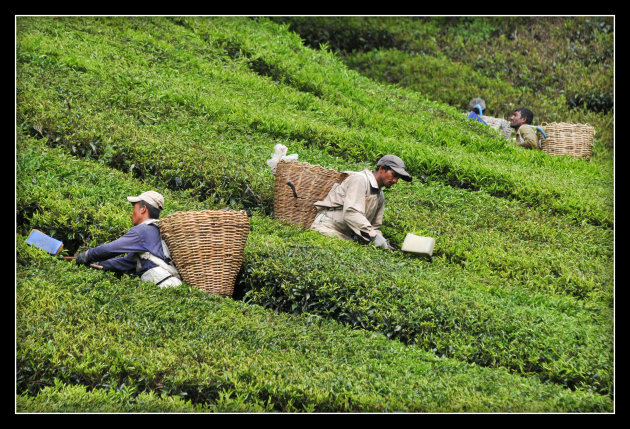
(105, 254)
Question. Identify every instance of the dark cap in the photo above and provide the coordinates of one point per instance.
(396, 164)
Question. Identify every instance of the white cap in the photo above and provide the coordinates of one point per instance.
(150, 197)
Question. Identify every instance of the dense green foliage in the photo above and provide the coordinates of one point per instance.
(562, 68)
(97, 343)
(513, 313)
(89, 341)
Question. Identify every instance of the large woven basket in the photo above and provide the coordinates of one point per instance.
(298, 186)
(564, 138)
(207, 247)
(499, 124)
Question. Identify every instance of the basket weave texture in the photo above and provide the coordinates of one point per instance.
(207, 247)
(311, 183)
(499, 124)
(564, 138)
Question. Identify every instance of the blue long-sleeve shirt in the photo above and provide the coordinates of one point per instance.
(473, 115)
(140, 238)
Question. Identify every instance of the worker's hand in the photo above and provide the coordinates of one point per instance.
(379, 241)
(82, 257)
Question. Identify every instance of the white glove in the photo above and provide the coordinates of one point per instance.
(379, 241)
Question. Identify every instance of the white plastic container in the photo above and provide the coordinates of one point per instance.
(418, 245)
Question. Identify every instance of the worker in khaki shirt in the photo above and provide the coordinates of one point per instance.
(353, 210)
(525, 134)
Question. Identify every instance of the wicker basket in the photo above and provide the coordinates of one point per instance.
(207, 247)
(564, 138)
(499, 124)
(298, 186)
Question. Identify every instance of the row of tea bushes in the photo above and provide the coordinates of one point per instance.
(497, 237)
(77, 398)
(437, 306)
(229, 168)
(209, 130)
(473, 229)
(195, 86)
(89, 341)
(560, 67)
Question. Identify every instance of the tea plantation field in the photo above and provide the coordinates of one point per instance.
(514, 312)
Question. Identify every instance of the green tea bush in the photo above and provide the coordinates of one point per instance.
(560, 67)
(63, 398)
(521, 281)
(436, 305)
(498, 237)
(436, 142)
(91, 342)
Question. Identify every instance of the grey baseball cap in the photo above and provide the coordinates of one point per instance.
(396, 164)
(151, 197)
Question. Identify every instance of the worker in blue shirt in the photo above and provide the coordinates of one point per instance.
(477, 106)
(145, 252)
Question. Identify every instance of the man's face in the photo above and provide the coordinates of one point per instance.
(137, 214)
(516, 120)
(388, 178)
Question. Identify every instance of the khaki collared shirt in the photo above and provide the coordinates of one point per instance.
(526, 137)
(353, 207)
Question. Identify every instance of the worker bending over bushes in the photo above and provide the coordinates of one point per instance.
(146, 253)
(353, 210)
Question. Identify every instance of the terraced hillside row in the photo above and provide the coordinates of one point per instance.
(521, 283)
(85, 328)
(561, 67)
(222, 90)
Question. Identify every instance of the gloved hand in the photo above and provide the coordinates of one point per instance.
(379, 241)
(82, 257)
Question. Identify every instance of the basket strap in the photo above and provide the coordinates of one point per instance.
(164, 279)
(541, 131)
(157, 261)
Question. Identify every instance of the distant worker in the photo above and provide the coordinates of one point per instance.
(477, 106)
(353, 209)
(146, 253)
(526, 135)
